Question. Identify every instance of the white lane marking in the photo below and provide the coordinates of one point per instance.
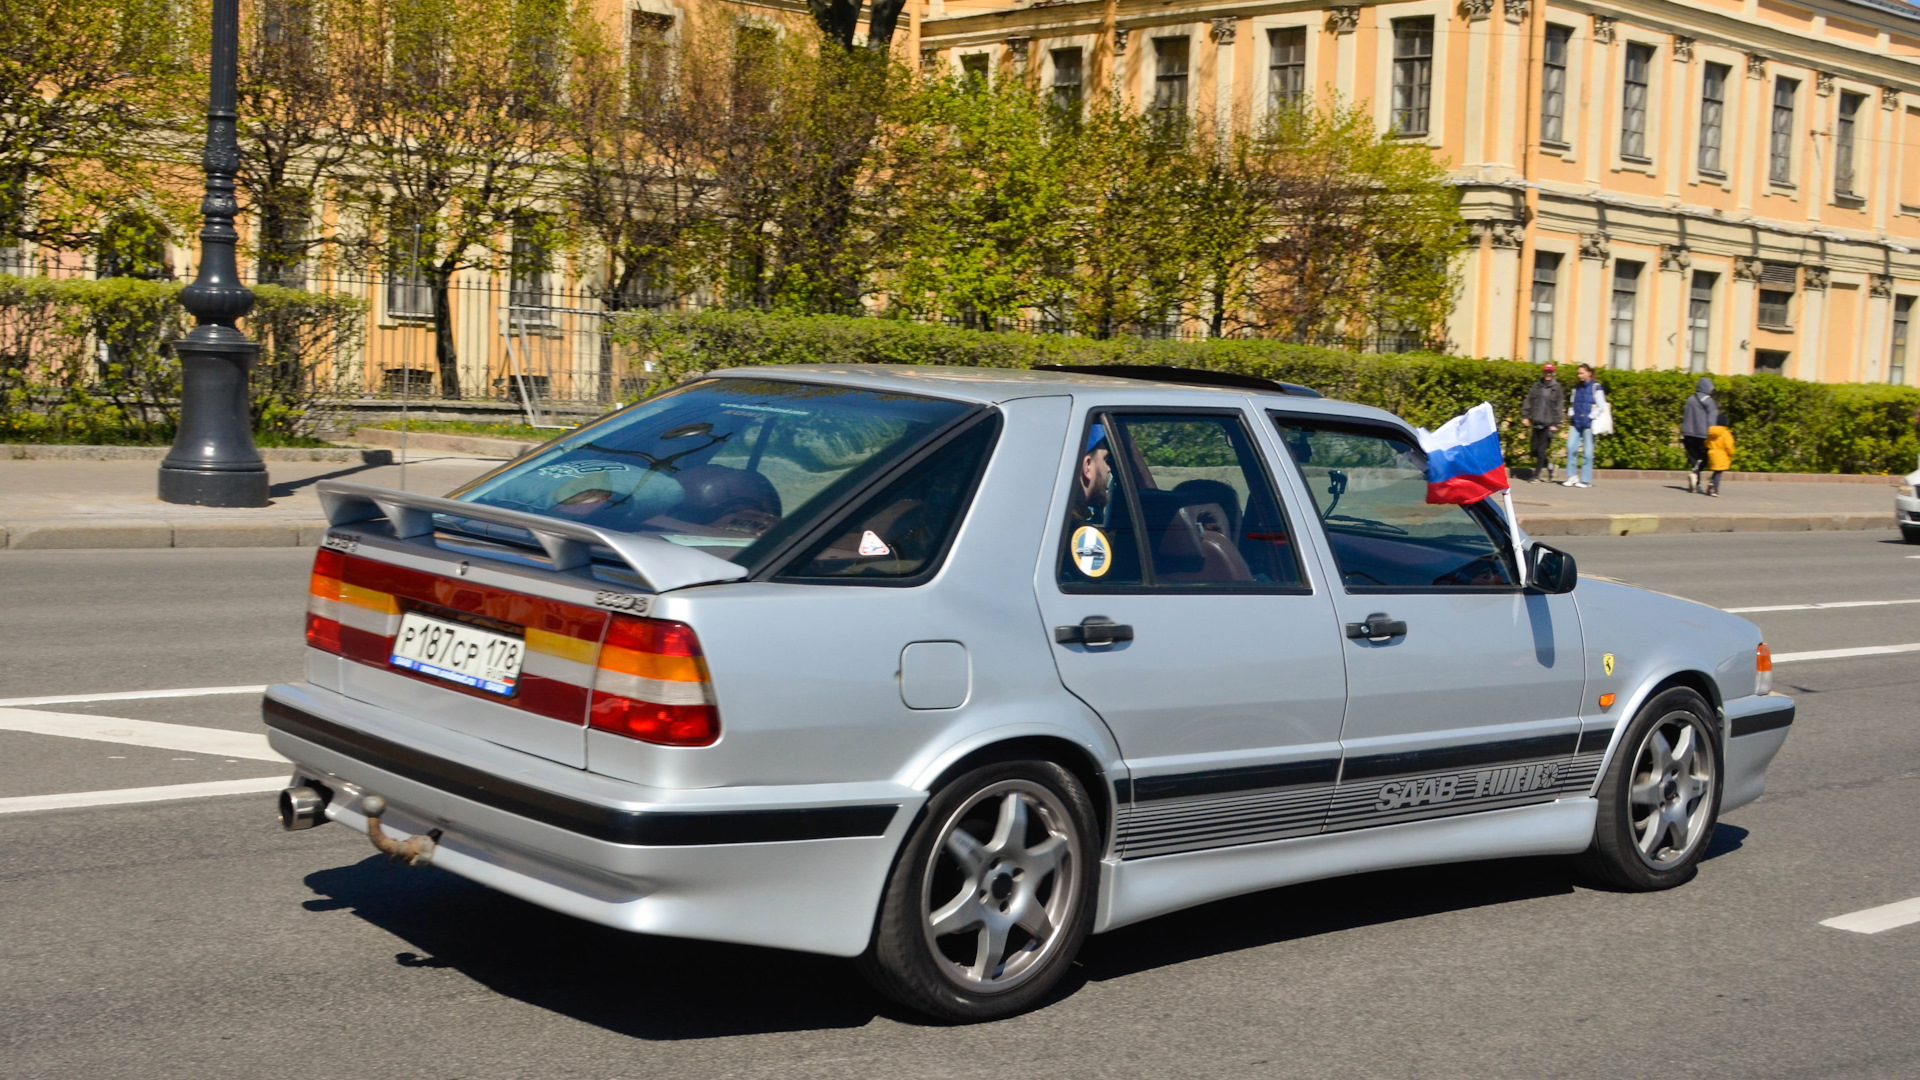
(1818, 607)
(130, 695)
(23, 803)
(1875, 919)
(214, 742)
(1836, 654)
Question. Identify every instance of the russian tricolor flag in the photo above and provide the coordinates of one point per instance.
(1464, 463)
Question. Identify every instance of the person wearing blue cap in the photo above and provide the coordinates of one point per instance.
(1092, 492)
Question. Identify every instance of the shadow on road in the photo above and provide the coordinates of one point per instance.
(634, 984)
(667, 989)
(287, 487)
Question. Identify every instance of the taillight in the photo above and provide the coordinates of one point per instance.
(323, 600)
(651, 684)
(1763, 669)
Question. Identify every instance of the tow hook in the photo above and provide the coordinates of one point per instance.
(414, 851)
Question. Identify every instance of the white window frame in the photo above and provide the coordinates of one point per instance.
(1142, 39)
(1261, 27)
(1043, 64)
(1616, 92)
(1730, 106)
(673, 37)
(1796, 154)
(1439, 117)
(1866, 136)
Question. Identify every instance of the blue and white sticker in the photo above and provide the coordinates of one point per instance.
(871, 545)
(1092, 555)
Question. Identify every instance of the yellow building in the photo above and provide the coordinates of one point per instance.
(1723, 186)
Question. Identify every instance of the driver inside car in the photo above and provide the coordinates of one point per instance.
(1093, 481)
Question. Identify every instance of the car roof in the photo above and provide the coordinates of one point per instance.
(988, 386)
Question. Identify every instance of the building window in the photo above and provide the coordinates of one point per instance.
(1633, 103)
(1286, 68)
(1626, 300)
(1713, 107)
(753, 53)
(1769, 362)
(1546, 279)
(647, 66)
(1777, 284)
(1170, 74)
(1412, 75)
(409, 294)
(1553, 87)
(1699, 319)
(530, 270)
(1069, 75)
(1843, 143)
(1897, 358)
(1780, 148)
(974, 68)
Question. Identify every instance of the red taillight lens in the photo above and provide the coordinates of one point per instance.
(651, 684)
(323, 600)
(323, 633)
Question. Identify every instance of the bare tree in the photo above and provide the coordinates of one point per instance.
(838, 19)
(289, 130)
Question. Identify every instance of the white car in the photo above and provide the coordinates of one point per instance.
(1906, 507)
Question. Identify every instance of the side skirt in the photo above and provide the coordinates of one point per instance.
(1138, 889)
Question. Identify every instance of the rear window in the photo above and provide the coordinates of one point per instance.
(731, 466)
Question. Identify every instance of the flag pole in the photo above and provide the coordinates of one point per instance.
(1513, 526)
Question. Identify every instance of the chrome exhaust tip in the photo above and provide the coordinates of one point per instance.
(303, 807)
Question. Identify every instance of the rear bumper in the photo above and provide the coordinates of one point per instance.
(791, 867)
(1757, 727)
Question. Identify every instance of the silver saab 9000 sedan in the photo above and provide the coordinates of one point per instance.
(947, 669)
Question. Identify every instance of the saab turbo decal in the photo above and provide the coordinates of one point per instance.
(1434, 790)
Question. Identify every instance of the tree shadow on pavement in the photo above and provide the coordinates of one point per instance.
(638, 985)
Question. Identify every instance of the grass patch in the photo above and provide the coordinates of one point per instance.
(468, 427)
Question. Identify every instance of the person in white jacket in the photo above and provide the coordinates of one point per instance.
(1587, 409)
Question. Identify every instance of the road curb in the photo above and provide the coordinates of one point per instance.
(444, 443)
(1543, 525)
(69, 534)
(62, 452)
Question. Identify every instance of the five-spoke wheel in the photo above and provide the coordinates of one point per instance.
(1660, 796)
(991, 897)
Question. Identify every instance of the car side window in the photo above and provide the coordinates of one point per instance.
(1174, 501)
(901, 532)
(1369, 486)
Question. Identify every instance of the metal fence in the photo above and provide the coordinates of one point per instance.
(540, 344)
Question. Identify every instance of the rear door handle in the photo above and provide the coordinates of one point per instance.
(1378, 627)
(1093, 630)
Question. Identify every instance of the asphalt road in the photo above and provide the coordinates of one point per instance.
(195, 939)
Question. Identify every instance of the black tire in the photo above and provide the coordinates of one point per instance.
(1626, 829)
(911, 963)
(1910, 533)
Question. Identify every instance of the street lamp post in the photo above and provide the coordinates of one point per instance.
(213, 461)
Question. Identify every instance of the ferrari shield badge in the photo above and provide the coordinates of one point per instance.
(1606, 663)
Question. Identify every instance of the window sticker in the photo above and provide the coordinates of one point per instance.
(1092, 555)
(873, 545)
(572, 470)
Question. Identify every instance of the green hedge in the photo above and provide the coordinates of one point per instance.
(1779, 425)
(92, 361)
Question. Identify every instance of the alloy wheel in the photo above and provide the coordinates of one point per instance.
(1670, 796)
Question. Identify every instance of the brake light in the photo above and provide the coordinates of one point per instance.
(323, 600)
(1763, 670)
(651, 684)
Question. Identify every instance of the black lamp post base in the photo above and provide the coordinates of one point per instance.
(203, 487)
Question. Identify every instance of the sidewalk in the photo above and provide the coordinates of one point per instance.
(68, 503)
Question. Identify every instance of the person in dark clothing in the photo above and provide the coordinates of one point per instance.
(1545, 407)
(1695, 418)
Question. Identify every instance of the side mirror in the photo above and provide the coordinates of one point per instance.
(1551, 570)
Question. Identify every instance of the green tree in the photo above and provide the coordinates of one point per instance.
(454, 116)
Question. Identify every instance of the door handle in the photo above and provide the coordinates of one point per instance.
(1093, 630)
(1378, 627)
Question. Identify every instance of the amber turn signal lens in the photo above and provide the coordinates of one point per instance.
(1606, 701)
(1763, 670)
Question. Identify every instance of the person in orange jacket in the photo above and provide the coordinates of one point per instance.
(1719, 451)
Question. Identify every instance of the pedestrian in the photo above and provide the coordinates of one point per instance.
(1544, 409)
(1719, 451)
(1696, 416)
(1589, 401)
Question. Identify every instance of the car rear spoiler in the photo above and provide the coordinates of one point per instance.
(661, 564)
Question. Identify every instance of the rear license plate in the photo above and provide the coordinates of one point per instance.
(458, 653)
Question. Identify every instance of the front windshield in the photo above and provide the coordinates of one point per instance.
(732, 466)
